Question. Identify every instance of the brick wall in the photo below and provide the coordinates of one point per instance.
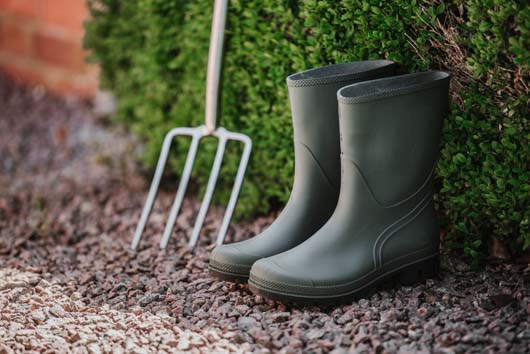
(41, 43)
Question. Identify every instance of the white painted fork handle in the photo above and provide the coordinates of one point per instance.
(215, 61)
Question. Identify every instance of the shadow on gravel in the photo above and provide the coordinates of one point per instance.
(70, 196)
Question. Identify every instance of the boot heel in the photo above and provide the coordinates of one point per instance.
(419, 272)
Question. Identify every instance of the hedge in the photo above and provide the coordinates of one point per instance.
(153, 57)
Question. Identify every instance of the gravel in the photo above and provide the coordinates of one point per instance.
(70, 196)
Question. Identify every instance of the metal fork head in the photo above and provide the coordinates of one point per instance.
(196, 135)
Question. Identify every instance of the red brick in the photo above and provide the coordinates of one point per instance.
(56, 80)
(41, 43)
(15, 37)
(22, 73)
(65, 13)
(24, 8)
(79, 85)
(62, 52)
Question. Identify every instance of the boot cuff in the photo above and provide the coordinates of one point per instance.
(341, 72)
(374, 90)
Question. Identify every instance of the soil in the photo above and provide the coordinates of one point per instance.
(70, 195)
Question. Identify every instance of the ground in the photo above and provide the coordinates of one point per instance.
(70, 196)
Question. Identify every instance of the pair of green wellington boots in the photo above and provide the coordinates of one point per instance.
(361, 209)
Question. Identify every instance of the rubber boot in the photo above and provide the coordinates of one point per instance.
(384, 226)
(316, 184)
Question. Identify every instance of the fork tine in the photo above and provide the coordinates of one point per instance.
(183, 184)
(214, 174)
(153, 190)
(237, 184)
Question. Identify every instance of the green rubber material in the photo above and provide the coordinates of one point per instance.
(384, 223)
(405, 274)
(313, 98)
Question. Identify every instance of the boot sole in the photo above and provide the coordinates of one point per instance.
(227, 276)
(408, 274)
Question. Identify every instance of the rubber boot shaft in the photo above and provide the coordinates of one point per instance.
(316, 185)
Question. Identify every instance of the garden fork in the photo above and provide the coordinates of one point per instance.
(210, 128)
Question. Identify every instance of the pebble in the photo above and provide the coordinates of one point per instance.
(247, 323)
(315, 334)
(280, 317)
(148, 298)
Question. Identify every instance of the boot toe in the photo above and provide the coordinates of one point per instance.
(273, 281)
(231, 263)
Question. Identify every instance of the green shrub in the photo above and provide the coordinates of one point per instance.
(153, 57)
